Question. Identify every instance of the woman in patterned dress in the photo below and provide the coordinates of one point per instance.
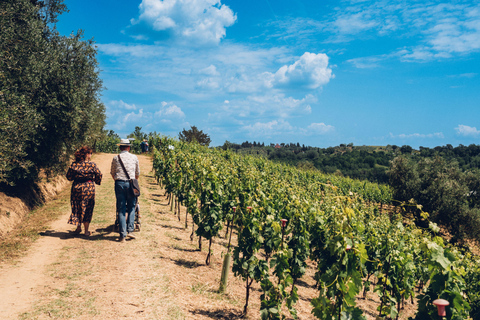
(84, 174)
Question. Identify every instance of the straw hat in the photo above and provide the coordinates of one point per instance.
(124, 142)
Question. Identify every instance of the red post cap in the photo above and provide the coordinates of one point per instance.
(234, 209)
(284, 222)
(441, 304)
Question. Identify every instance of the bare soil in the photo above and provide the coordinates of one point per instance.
(159, 275)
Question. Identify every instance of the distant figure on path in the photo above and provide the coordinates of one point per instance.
(84, 174)
(125, 200)
(144, 146)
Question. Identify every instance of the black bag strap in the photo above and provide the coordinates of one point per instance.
(123, 166)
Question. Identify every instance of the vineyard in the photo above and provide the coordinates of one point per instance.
(286, 218)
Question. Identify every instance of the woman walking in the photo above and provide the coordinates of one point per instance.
(84, 174)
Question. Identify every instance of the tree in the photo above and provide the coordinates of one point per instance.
(406, 149)
(370, 160)
(404, 179)
(138, 135)
(227, 145)
(49, 91)
(444, 191)
(194, 135)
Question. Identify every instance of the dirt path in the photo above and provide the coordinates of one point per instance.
(159, 275)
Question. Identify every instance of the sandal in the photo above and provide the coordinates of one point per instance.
(77, 231)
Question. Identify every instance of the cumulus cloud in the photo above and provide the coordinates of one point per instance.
(467, 131)
(116, 109)
(201, 22)
(310, 71)
(122, 121)
(319, 128)
(168, 112)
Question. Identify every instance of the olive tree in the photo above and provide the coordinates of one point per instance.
(49, 91)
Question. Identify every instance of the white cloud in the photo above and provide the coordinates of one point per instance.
(188, 21)
(429, 30)
(418, 135)
(367, 62)
(468, 75)
(138, 51)
(212, 81)
(464, 130)
(129, 120)
(232, 82)
(147, 68)
(169, 111)
(168, 114)
(133, 117)
(284, 128)
(277, 105)
(268, 129)
(207, 83)
(211, 70)
(121, 105)
(310, 71)
(355, 23)
(319, 128)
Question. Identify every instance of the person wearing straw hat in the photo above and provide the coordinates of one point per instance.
(125, 200)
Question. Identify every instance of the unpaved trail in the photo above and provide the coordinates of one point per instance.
(159, 275)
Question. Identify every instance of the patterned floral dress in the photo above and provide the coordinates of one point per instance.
(82, 199)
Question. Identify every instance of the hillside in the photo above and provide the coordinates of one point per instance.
(357, 162)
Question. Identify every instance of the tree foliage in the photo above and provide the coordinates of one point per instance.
(193, 134)
(49, 91)
(447, 193)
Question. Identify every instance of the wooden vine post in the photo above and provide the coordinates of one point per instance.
(284, 223)
(227, 260)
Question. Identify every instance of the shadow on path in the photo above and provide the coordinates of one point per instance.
(219, 314)
(99, 234)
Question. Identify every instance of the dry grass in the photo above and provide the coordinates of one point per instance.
(18, 240)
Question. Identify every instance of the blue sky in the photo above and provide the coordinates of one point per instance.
(320, 73)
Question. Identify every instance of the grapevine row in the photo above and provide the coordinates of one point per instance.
(328, 221)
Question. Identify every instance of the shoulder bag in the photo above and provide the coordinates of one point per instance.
(134, 185)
